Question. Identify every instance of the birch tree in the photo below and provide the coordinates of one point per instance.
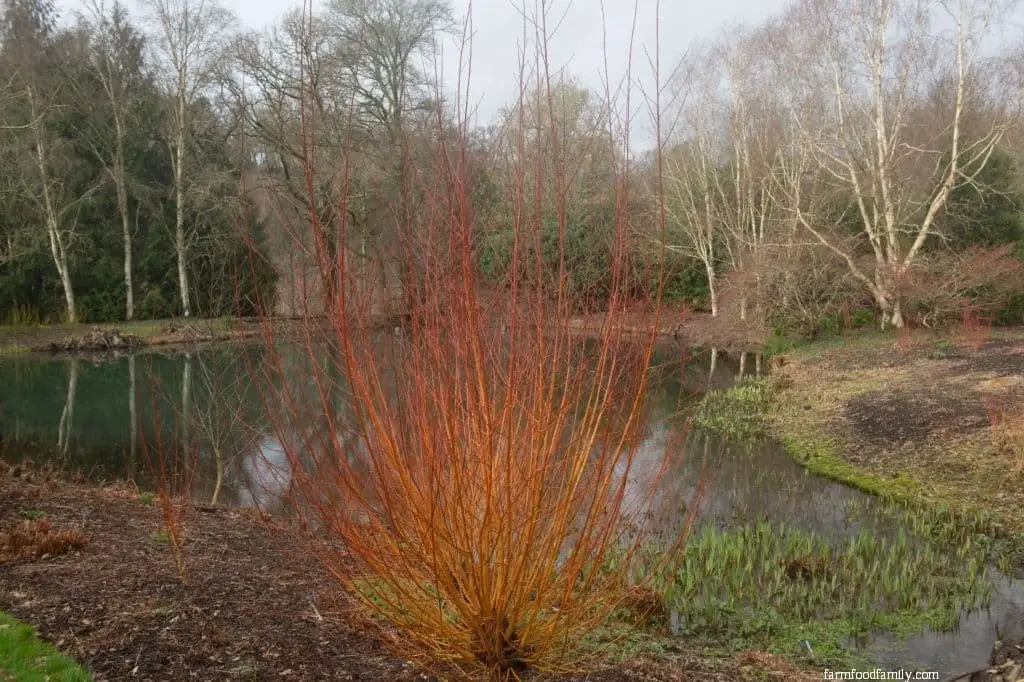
(35, 56)
(114, 58)
(189, 39)
(690, 209)
(875, 59)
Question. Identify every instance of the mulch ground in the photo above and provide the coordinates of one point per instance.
(254, 608)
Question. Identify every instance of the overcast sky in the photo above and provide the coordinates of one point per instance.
(577, 44)
(579, 39)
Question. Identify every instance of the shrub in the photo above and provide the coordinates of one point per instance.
(36, 538)
(467, 480)
(155, 306)
(982, 281)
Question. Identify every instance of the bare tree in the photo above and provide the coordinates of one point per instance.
(689, 206)
(388, 48)
(875, 58)
(290, 87)
(717, 177)
(114, 57)
(189, 40)
(37, 58)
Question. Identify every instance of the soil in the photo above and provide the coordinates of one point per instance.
(254, 607)
(883, 419)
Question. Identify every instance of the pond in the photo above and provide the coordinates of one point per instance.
(107, 417)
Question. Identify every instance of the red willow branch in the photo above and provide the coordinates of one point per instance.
(465, 481)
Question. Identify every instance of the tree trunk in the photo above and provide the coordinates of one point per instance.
(60, 259)
(126, 233)
(180, 243)
(712, 288)
(218, 457)
(897, 315)
(711, 369)
(129, 287)
(890, 307)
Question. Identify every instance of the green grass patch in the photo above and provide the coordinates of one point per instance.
(26, 658)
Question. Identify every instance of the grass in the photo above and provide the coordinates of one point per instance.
(1007, 432)
(24, 657)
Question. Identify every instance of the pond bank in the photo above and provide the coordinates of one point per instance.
(926, 419)
(690, 329)
(255, 607)
(122, 335)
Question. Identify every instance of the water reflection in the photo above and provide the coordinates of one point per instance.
(67, 415)
(266, 474)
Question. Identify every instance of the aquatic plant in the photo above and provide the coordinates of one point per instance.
(767, 584)
(737, 411)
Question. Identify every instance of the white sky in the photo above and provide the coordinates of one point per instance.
(577, 45)
(578, 42)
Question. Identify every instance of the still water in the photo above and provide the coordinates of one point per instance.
(106, 417)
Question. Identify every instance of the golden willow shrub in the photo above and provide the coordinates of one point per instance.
(467, 480)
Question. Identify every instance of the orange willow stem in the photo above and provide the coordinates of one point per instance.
(465, 480)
